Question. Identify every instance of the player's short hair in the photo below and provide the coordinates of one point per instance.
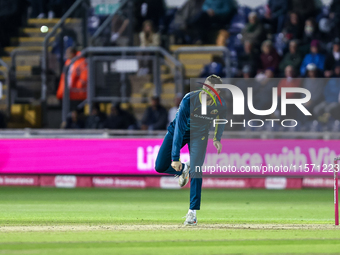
(214, 79)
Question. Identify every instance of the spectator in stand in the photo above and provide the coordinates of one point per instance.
(289, 82)
(153, 10)
(334, 15)
(78, 75)
(120, 119)
(332, 58)
(314, 85)
(214, 13)
(173, 110)
(331, 93)
(254, 30)
(215, 67)
(244, 84)
(293, 28)
(155, 117)
(311, 32)
(96, 119)
(277, 13)
(314, 57)
(269, 57)
(292, 58)
(183, 17)
(148, 37)
(119, 26)
(305, 9)
(74, 121)
(250, 57)
(262, 91)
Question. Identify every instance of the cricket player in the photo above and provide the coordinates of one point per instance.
(192, 128)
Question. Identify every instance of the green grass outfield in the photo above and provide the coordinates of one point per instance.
(112, 221)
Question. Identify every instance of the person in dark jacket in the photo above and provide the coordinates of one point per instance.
(262, 91)
(333, 58)
(331, 94)
(74, 121)
(153, 10)
(305, 9)
(311, 32)
(277, 14)
(119, 119)
(183, 16)
(250, 57)
(294, 27)
(334, 15)
(269, 57)
(254, 30)
(315, 86)
(214, 14)
(215, 67)
(292, 58)
(96, 119)
(155, 117)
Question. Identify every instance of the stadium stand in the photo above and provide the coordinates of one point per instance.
(30, 75)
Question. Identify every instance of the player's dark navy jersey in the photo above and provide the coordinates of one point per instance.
(190, 123)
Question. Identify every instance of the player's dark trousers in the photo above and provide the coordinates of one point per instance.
(197, 148)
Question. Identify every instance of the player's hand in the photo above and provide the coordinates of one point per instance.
(218, 146)
(177, 165)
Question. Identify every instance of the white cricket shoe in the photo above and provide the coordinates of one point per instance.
(184, 177)
(190, 219)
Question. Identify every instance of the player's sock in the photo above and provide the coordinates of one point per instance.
(193, 211)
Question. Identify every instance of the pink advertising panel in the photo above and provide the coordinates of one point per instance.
(239, 157)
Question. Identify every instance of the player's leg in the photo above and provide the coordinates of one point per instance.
(197, 149)
(163, 161)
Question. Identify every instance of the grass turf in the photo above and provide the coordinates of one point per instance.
(28, 215)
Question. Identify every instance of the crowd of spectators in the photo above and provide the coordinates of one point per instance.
(155, 117)
(295, 41)
(288, 43)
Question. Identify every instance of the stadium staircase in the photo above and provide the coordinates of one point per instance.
(28, 77)
(28, 73)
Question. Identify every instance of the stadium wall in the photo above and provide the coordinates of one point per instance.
(129, 163)
(136, 157)
(163, 182)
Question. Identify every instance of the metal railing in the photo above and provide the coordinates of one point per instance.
(207, 49)
(123, 50)
(61, 22)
